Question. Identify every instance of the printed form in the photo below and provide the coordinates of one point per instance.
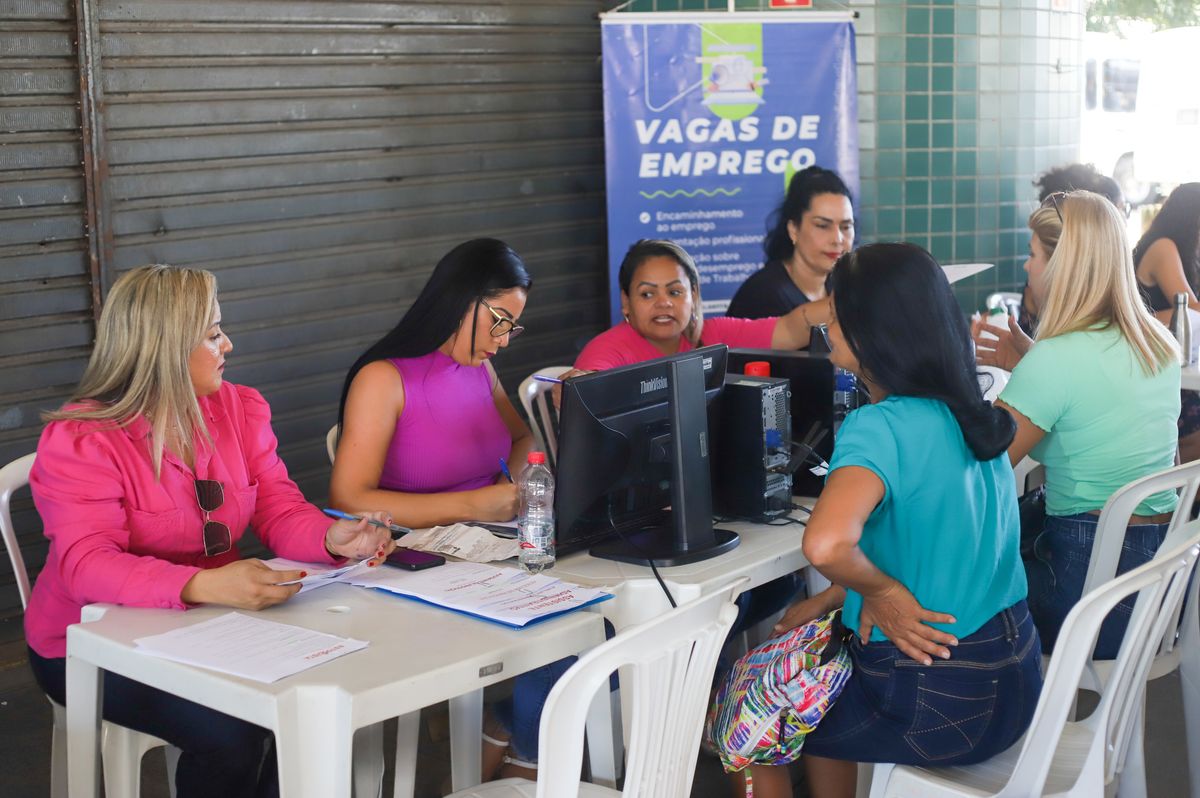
(505, 595)
(251, 648)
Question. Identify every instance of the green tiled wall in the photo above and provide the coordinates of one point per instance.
(961, 105)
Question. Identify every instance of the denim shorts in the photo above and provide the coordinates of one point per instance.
(1058, 568)
(957, 711)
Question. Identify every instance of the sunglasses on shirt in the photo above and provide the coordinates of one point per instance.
(210, 495)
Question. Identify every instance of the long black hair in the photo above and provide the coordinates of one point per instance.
(805, 184)
(923, 351)
(1178, 220)
(479, 269)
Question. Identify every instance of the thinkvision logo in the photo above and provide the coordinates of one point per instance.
(656, 384)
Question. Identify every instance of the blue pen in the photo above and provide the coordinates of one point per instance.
(504, 468)
(396, 529)
(543, 378)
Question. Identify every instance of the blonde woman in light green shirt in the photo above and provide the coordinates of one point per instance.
(1095, 395)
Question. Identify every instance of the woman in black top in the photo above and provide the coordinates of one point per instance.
(811, 229)
(1167, 262)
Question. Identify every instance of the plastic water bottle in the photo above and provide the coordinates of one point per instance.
(535, 522)
(845, 395)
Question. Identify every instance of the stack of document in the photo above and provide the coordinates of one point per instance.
(505, 595)
(462, 541)
(251, 648)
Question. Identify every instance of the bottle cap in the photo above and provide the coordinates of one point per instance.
(537, 458)
(757, 368)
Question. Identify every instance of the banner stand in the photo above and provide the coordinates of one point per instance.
(707, 115)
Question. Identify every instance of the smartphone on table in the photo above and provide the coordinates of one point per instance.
(414, 560)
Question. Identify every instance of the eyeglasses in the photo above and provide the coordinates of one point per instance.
(503, 325)
(1052, 201)
(210, 495)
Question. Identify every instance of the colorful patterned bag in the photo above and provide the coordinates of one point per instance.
(776, 694)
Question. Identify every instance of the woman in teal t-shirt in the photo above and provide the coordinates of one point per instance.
(919, 511)
(1096, 399)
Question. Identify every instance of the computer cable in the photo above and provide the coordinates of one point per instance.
(649, 560)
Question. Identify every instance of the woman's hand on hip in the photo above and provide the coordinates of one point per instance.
(896, 613)
(245, 585)
(357, 540)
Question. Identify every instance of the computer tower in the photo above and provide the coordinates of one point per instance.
(811, 375)
(750, 477)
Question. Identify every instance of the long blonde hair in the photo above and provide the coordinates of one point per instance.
(1047, 228)
(152, 320)
(1090, 279)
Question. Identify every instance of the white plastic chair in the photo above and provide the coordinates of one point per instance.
(667, 664)
(1061, 757)
(122, 748)
(331, 442)
(1029, 473)
(1179, 646)
(539, 409)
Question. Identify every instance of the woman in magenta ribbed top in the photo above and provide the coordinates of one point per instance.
(425, 424)
(450, 436)
(424, 420)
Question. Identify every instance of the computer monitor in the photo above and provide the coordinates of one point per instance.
(633, 479)
(812, 376)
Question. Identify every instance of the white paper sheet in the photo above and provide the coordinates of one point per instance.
(252, 648)
(961, 271)
(506, 595)
(319, 574)
(466, 542)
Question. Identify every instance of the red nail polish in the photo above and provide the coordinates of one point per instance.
(303, 574)
(372, 564)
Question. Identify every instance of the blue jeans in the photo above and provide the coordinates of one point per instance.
(521, 713)
(1058, 567)
(222, 757)
(954, 712)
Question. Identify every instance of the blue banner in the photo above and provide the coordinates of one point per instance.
(705, 121)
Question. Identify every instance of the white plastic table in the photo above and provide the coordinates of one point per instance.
(418, 655)
(764, 552)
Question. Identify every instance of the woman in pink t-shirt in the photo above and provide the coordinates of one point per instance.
(145, 481)
(660, 298)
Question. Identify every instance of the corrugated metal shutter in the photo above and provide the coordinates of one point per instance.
(321, 156)
(45, 285)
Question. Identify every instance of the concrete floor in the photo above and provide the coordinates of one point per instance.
(25, 740)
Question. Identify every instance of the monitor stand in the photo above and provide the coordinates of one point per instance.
(690, 537)
(658, 545)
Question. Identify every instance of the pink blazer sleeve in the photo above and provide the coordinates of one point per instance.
(79, 490)
(283, 520)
